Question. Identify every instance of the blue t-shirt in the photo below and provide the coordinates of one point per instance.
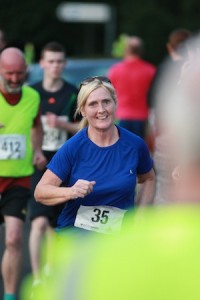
(114, 168)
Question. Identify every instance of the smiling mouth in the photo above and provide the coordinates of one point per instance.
(102, 118)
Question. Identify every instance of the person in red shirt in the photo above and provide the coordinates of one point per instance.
(132, 78)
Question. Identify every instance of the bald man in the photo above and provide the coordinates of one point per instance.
(132, 78)
(20, 149)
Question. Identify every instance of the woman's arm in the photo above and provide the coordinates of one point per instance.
(147, 183)
(49, 192)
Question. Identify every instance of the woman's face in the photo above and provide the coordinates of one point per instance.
(99, 109)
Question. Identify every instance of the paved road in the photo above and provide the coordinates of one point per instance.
(26, 260)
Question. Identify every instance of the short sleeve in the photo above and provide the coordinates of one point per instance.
(61, 163)
(145, 162)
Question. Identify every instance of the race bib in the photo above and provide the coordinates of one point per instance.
(54, 138)
(103, 219)
(12, 146)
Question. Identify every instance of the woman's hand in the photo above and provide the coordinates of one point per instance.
(82, 188)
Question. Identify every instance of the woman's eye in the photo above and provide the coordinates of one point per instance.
(107, 102)
(92, 104)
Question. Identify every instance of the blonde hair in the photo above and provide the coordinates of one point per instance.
(86, 90)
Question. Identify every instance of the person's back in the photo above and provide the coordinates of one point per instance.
(132, 78)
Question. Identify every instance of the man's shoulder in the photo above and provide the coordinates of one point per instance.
(147, 63)
(36, 86)
(68, 85)
(117, 65)
(116, 69)
(30, 90)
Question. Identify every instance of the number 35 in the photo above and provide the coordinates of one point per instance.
(100, 216)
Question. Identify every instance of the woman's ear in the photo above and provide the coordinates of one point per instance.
(83, 113)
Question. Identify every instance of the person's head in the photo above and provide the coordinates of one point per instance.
(12, 70)
(96, 102)
(134, 47)
(53, 60)
(2, 40)
(176, 41)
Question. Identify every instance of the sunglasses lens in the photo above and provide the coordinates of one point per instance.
(90, 79)
(103, 78)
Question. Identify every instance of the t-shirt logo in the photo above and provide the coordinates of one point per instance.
(51, 100)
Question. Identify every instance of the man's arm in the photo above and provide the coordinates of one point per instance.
(39, 160)
(54, 122)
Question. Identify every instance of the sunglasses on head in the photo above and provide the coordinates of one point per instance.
(90, 79)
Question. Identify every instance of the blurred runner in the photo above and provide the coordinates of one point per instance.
(20, 120)
(132, 78)
(162, 93)
(58, 105)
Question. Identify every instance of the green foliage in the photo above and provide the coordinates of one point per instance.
(118, 46)
(29, 52)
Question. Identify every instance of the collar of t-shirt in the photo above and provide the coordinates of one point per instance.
(12, 99)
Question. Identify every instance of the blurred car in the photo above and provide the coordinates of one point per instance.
(75, 70)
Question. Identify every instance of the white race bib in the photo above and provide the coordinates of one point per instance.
(12, 146)
(104, 219)
(54, 138)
